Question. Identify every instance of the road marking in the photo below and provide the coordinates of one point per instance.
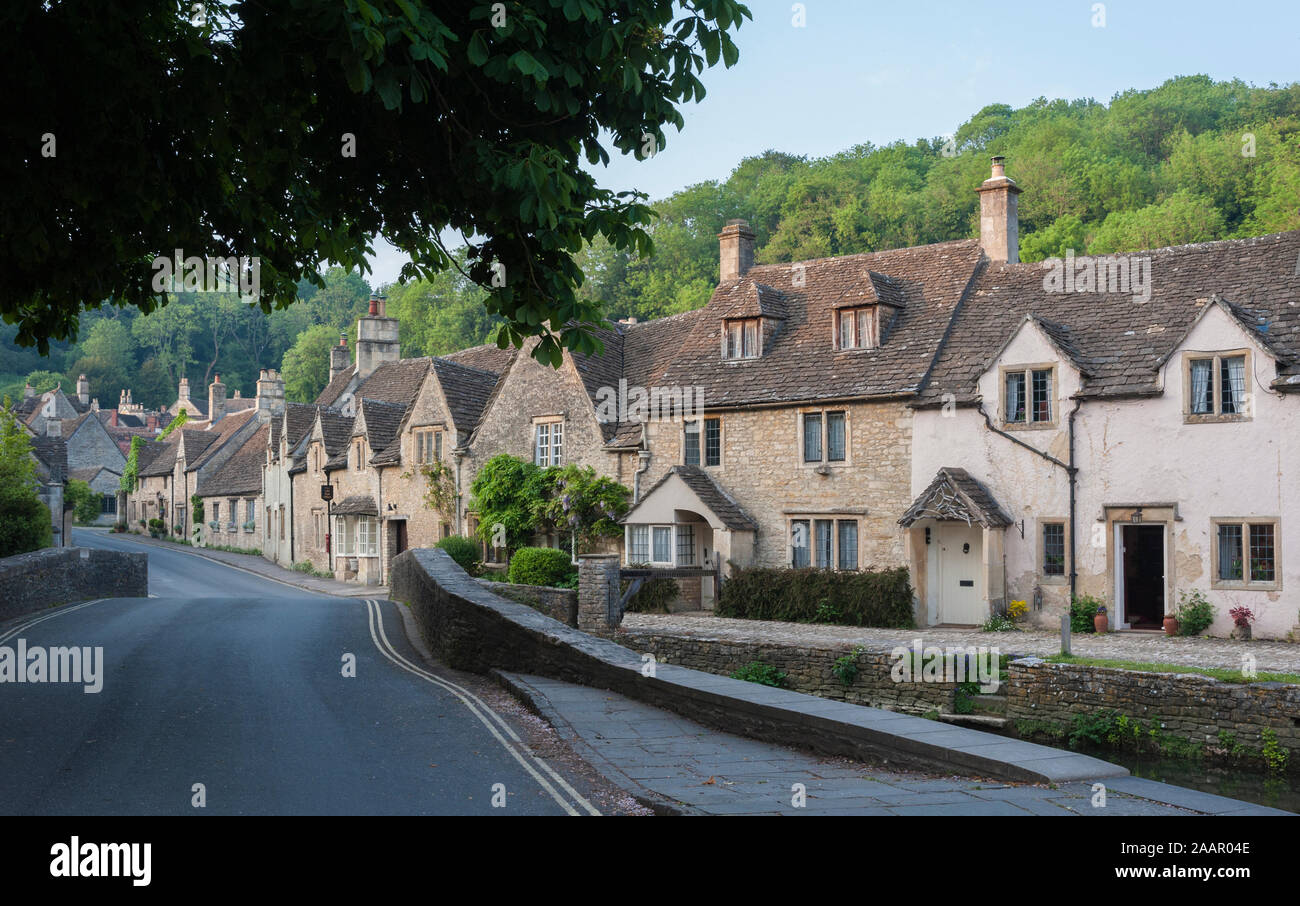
(49, 616)
(480, 710)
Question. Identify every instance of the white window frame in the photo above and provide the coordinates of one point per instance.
(1216, 359)
(863, 331)
(548, 442)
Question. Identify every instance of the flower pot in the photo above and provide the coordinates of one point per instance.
(1101, 623)
(1243, 632)
(1171, 625)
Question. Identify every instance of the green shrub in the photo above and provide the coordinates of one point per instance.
(1082, 612)
(758, 672)
(84, 500)
(866, 598)
(654, 595)
(542, 566)
(464, 551)
(1195, 614)
(1000, 622)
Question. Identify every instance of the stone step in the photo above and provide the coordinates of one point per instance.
(977, 721)
(989, 704)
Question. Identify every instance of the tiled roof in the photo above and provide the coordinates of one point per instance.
(336, 429)
(748, 299)
(955, 495)
(221, 435)
(485, 358)
(334, 389)
(356, 505)
(1123, 342)
(241, 474)
(53, 454)
(381, 421)
(602, 370)
(712, 496)
(800, 362)
(395, 382)
(467, 391)
(90, 474)
(299, 417)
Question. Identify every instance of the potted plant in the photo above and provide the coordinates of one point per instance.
(1242, 616)
(1171, 624)
(1100, 621)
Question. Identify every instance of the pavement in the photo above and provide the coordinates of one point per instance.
(676, 766)
(251, 563)
(1269, 656)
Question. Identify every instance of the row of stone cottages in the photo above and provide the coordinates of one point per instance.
(1125, 427)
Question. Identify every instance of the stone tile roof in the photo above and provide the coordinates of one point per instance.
(53, 455)
(148, 452)
(90, 474)
(336, 430)
(1123, 343)
(221, 434)
(241, 474)
(466, 389)
(648, 346)
(622, 435)
(381, 421)
(299, 417)
(748, 299)
(485, 358)
(395, 382)
(800, 362)
(334, 389)
(710, 494)
(955, 495)
(356, 505)
(196, 443)
(602, 370)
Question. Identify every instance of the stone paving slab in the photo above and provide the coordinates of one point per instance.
(696, 770)
(1270, 657)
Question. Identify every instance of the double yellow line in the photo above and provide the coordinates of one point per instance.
(540, 771)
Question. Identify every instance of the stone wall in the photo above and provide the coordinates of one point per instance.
(1191, 707)
(46, 578)
(807, 670)
(557, 603)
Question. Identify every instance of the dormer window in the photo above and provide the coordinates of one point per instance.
(1217, 387)
(742, 339)
(1027, 396)
(855, 328)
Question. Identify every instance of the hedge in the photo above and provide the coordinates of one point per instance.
(867, 598)
(465, 551)
(542, 566)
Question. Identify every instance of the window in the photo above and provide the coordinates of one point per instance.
(108, 505)
(856, 328)
(685, 545)
(359, 454)
(1053, 549)
(234, 511)
(663, 544)
(317, 519)
(848, 542)
(216, 512)
(741, 339)
(824, 543)
(282, 522)
(1245, 554)
(1027, 397)
(638, 548)
(825, 436)
(250, 510)
(549, 443)
(367, 537)
(1216, 387)
(428, 445)
(712, 448)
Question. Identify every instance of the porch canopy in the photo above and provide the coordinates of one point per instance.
(356, 505)
(955, 496)
(690, 488)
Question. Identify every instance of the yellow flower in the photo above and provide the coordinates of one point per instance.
(1017, 609)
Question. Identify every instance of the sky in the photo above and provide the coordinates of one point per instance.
(871, 71)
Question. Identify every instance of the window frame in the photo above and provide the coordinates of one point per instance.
(702, 441)
(1027, 373)
(856, 313)
(554, 431)
(823, 416)
(1217, 359)
(1040, 567)
(815, 555)
(740, 325)
(1245, 583)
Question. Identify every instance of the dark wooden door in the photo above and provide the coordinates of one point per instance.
(1144, 575)
(401, 536)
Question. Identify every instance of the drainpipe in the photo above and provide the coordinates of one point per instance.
(1070, 470)
(644, 457)
(286, 476)
(460, 458)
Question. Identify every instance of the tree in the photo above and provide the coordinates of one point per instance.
(109, 339)
(585, 504)
(306, 366)
(25, 523)
(84, 500)
(41, 381)
(508, 494)
(401, 118)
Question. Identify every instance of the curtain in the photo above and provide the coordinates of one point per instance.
(1234, 385)
(1202, 403)
(812, 438)
(1015, 397)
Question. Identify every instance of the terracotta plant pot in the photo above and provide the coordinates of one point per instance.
(1101, 623)
(1171, 625)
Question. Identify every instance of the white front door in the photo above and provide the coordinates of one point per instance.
(961, 599)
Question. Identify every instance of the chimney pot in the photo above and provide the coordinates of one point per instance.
(374, 306)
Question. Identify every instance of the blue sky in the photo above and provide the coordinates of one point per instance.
(870, 71)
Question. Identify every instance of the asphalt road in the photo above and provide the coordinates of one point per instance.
(235, 682)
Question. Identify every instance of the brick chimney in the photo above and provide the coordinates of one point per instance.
(270, 394)
(999, 221)
(83, 390)
(377, 340)
(216, 400)
(736, 251)
(112, 417)
(340, 357)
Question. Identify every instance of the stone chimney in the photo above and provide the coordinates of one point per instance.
(83, 390)
(736, 251)
(53, 427)
(28, 391)
(216, 400)
(376, 339)
(183, 391)
(340, 357)
(112, 417)
(270, 394)
(999, 221)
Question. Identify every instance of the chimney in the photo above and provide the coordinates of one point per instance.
(53, 427)
(340, 357)
(83, 390)
(270, 394)
(999, 221)
(28, 391)
(216, 400)
(377, 341)
(736, 251)
(183, 391)
(112, 417)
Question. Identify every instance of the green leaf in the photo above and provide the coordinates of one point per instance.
(477, 51)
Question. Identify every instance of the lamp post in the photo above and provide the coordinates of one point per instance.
(327, 494)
